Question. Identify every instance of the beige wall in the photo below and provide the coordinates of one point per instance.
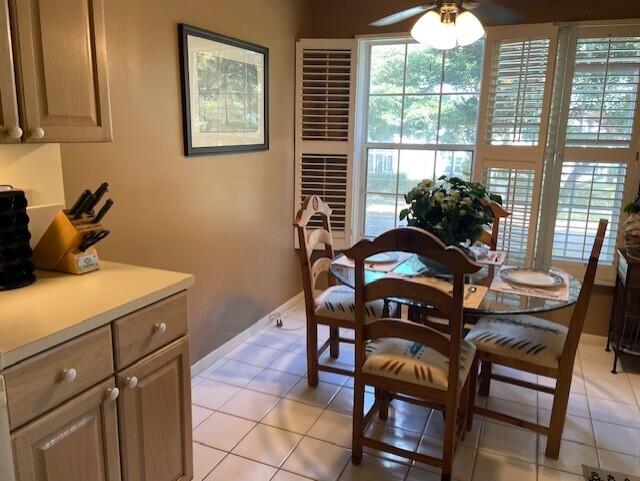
(346, 18)
(225, 218)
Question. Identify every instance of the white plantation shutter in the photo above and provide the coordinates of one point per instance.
(516, 186)
(324, 132)
(516, 91)
(594, 167)
(512, 126)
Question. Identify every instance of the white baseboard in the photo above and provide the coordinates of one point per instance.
(207, 361)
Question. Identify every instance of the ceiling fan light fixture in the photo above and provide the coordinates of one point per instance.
(446, 27)
(468, 28)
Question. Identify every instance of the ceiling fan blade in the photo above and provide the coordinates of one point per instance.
(470, 4)
(496, 12)
(401, 16)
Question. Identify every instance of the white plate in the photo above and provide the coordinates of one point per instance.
(382, 258)
(530, 277)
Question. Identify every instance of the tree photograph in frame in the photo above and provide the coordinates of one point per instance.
(225, 93)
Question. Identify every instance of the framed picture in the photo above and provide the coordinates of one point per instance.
(225, 93)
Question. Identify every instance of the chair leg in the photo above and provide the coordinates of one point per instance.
(473, 385)
(358, 421)
(383, 409)
(448, 445)
(464, 409)
(558, 416)
(312, 354)
(485, 378)
(334, 347)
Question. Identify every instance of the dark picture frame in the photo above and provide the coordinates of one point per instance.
(228, 120)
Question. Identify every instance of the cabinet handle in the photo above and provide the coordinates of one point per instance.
(37, 133)
(131, 382)
(113, 393)
(15, 132)
(69, 375)
(160, 328)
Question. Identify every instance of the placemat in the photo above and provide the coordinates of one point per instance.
(493, 258)
(378, 266)
(558, 294)
(473, 294)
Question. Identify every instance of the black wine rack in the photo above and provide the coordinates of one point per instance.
(16, 268)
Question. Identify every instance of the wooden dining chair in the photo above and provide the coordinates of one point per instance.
(408, 361)
(333, 307)
(491, 238)
(537, 346)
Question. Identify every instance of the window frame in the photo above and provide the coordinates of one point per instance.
(361, 143)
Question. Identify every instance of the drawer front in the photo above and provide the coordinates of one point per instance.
(148, 329)
(44, 381)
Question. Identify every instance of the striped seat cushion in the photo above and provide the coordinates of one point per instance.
(338, 302)
(415, 363)
(526, 338)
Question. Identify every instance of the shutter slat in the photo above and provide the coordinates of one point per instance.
(326, 84)
(604, 88)
(326, 176)
(516, 92)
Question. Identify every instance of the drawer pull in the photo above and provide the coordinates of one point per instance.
(69, 375)
(113, 393)
(37, 133)
(15, 132)
(160, 328)
(131, 382)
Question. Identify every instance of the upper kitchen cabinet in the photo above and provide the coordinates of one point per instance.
(61, 66)
(10, 130)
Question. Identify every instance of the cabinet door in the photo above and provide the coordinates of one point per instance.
(9, 128)
(76, 442)
(62, 70)
(155, 416)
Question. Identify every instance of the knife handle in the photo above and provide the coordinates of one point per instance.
(103, 211)
(84, 207)
(97, 195)
(85, 193)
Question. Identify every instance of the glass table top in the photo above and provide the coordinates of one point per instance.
(493, 303)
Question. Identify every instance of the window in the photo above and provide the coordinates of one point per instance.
(421, 114)
(600, 122)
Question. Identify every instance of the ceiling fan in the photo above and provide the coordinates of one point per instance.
(445, 23)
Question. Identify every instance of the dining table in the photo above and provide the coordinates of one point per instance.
(493, 303)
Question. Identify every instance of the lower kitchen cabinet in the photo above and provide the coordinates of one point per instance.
(155, 405)
(78, 441)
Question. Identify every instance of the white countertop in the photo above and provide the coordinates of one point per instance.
(58, 307)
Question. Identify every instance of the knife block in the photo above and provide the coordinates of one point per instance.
(58, 250)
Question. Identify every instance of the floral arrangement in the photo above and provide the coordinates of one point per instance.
(452, 209)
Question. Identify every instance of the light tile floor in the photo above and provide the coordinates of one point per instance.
(255, 419)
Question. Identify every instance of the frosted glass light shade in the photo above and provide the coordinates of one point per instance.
(468, 28)
(425, 27)
(444, 36)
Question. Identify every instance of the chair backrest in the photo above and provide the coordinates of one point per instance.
(309, 240)
(579, 312)
(491, 238)
(448, 305)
